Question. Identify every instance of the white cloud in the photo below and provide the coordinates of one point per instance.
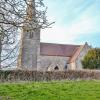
(68, 34)
(73, 20)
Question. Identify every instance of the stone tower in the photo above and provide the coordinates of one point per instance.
(30, 40)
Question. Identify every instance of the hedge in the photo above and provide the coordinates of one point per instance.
(22, 75)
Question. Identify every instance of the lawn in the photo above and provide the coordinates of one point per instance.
(59, 90)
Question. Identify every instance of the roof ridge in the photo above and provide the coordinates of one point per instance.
(59, 44)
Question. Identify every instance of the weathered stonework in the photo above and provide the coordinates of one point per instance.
(83, 52)
(48, 63)
(76, 64)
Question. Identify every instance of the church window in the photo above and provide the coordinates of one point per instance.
(66, 66)
(56, 68)
(31, 35)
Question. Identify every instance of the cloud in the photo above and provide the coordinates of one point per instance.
(70, 34)
(74, 20)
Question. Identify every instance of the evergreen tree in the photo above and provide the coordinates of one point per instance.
(92, 59)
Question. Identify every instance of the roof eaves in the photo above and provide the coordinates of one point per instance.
(76, 54)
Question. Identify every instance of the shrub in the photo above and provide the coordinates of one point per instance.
(22, 75)
(92, 59)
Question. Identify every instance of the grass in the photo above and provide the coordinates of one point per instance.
(58, 90)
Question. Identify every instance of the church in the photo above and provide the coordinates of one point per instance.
(38, 56)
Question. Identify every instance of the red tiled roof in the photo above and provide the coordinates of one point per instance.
(49, 49)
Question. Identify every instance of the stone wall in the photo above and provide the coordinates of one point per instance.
(30, 49)
(22, 75)
(48, 63)
(81, 56)
(72, 65)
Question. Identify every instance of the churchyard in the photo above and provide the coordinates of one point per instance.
(68, 85)
(54, 90)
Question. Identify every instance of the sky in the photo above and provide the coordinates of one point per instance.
(76, 22)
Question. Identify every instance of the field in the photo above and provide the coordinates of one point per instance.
(58, 90)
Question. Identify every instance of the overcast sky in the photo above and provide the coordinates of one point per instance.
(76, 21)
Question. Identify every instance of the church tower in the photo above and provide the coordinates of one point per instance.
(30, 40)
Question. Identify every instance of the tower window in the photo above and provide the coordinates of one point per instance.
(66, 66)
(56, 68)
(31, 35)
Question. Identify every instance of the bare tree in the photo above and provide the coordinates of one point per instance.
(13, 15)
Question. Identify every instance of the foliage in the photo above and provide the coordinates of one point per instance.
(14, 14)
(92, 59)
(62, 90)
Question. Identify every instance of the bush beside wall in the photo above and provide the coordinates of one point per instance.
(22, 75)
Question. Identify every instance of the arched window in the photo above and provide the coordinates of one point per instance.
(31, 35)
(66, 66)
(56, 68)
